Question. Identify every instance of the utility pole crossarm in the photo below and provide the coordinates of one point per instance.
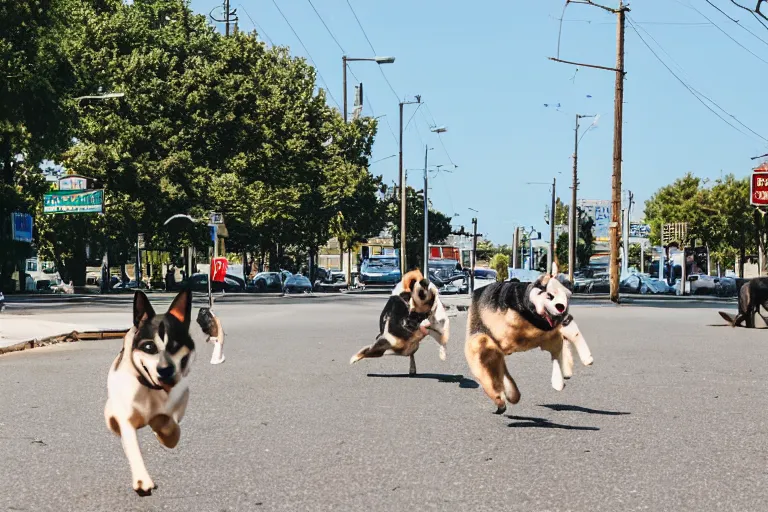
(606, 68)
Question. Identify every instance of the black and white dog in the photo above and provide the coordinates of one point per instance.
(146, 384)
(412, 312)
(513, 317)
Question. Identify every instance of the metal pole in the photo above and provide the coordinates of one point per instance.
(226, 17)
(530, 248)
(642, 259)
(426, 215)
(552, 227)
(402, 198)
(618, 108)
(572, 227)
(474, 255)
(344, 62)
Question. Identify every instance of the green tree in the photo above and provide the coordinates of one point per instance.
(439, 226)
(561, 250)
(35, 77)
(562, 214)
(500, 263)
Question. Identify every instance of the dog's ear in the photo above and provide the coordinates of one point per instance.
(142, 309)
(181, 307)
(411, 278)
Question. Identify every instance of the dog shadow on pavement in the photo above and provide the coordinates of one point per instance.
(577, 408)
(440, 377)
(532, 422)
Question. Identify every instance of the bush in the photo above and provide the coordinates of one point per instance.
(500, 263)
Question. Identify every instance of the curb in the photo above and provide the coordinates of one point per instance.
(70, 337)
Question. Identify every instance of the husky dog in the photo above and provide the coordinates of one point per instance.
(515, 317)
(412, 312)
(146, 385)
(752, 295)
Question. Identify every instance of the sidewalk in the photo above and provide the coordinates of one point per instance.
(26, 331)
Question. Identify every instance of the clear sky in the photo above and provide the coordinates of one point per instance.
(482, 69)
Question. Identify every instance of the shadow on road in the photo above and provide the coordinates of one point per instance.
(577, 408)
(531, 422)
(463, 381)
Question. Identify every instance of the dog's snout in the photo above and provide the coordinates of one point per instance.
(166, 372)
(560, 308)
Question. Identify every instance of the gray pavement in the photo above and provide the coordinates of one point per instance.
(671, 416)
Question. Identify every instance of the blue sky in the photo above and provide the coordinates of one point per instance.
(482, 69)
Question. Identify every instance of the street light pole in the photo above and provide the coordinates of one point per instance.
(403, 266)
(572, 228)
(552, 228)
(426, 214)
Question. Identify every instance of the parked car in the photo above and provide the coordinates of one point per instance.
(523, 275)
(297, 284)
(484, 277)
(726, 287)
(698, 284)
(133, 285)
(267, 282)
(380, 271)
(231, 284)
(643, 284)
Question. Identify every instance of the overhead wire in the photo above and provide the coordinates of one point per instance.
(372, 49)
(257, 26)
(729, 36)
(328, 90)
(737, 22)
(698, 95)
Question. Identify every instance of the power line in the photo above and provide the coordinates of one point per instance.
(328, 90)
(729, 36)
(440, 138)
(326, 27)
(372, 49)
(737, 22)
(693, 91)
(256, 25)
(414, 113)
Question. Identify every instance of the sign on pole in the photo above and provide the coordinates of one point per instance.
(21, 227)
(73, 182)
(759, 189)
(218, 269)
(62, 201)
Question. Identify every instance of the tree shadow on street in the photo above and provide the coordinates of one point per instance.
(577, 408)
(440, 377)
(533, 422)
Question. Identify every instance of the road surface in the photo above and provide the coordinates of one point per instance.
(672, 416)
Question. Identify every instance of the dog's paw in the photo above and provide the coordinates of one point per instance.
(443, 355)
(355, 358)
(587, 361)
(144, 485)
(501, 410)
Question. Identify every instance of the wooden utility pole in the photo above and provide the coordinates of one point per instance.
(572, 241)
(474, 256)
(618, 120)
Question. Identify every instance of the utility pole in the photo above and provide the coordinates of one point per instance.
(618, 112)
(618, 117)
(474, 255)
(426, 215)
(515, 247)
(403, 266)
(344, 62)
(552, 227)
(572, 224)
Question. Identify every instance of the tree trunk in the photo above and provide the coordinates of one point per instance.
(742, 250)
(22, 276)
(341, 256)
(246, 267)
(312, 266)
(273, 258)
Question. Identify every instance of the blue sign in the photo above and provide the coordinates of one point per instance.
(21, 226)
(212, 231)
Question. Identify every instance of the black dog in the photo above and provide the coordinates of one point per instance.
(752, 295)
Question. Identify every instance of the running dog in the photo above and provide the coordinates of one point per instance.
(752, 295)
(413, 311)
(146, 384)
(516, 317)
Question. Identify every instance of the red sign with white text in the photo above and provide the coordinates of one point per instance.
(759, 190)
(218, 269)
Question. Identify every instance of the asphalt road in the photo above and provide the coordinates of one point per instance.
(672, 416)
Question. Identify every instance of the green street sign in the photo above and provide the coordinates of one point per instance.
(82, 201)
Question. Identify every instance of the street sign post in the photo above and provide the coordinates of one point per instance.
(64, 201)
